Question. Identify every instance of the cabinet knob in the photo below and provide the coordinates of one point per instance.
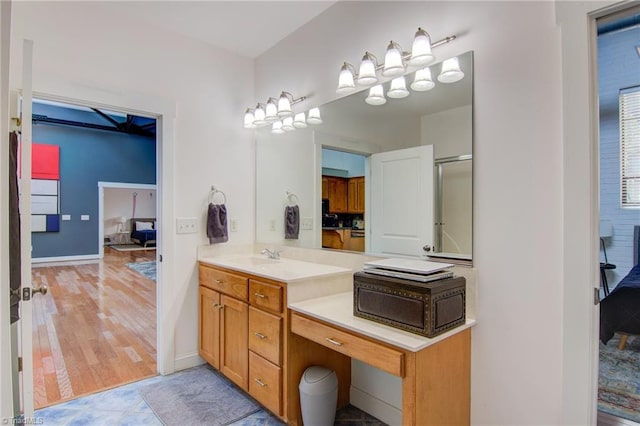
(259, 335)
(217, 306)
(218, 281)
(260, 382)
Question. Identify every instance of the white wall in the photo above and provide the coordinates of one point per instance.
(119, 202)
(516, 353)
(86, 46)
(449, 131)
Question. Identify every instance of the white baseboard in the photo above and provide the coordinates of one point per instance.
(187, 361)
(374, 406)
(65, 259)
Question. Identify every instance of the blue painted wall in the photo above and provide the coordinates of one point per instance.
(88, 156)
(353, 163)
(618, 68)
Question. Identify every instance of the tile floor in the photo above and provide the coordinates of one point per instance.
(123, 406)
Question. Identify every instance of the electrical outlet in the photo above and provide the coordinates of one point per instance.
(66, 217)
(272, 225)
(307, 223)
(85, 217)
(233, 225)
(186, 225)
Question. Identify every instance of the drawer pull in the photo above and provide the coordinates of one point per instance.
(260, 295)
(218, 281)
(333, 341)
(259, 335)
(260, 382)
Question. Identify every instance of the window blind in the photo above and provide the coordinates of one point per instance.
(630, 147)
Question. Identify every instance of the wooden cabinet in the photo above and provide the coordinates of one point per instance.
(341, 239)
(355, 195)
(335, 189)
(242, 325)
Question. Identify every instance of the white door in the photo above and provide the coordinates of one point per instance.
(25, 346)
(402, 201)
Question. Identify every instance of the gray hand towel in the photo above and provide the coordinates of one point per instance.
(291, 222)
(217, 223)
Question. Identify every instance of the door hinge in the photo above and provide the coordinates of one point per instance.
(160, 258)
(26, 294)
(596, 295)
(19, 364)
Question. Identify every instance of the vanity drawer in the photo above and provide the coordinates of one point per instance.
(375, 354)
(265, 382)
(264, 334)
(265, 295)
(224, 282)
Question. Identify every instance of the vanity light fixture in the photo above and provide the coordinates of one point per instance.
(422, 80)
(287, 124)
(450, 72)
(299, 121)
(249, 119)
(398, 88)
(313, 117)
(272, 111)
(376, 96)
(395, 62)
(276, 128)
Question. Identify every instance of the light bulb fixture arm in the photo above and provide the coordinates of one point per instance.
(407, 55)
(292, 100)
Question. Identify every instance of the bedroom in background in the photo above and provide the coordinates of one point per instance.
(95, 328)
(618, 53)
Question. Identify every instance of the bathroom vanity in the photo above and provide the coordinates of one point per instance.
(262, 322)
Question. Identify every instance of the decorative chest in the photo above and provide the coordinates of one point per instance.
(427, 309)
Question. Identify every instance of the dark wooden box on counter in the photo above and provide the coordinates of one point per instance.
(427, 309)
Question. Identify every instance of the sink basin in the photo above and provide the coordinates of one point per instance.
(254, 261)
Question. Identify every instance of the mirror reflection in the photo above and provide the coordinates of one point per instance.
(390, 178)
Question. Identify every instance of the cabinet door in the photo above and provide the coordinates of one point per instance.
(352, 196)
(360, 195)
(209, 326)
(234, 350)
(325, 187)
(337, 195)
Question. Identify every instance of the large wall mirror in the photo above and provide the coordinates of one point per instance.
(390, 179)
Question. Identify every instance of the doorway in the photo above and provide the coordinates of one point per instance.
(96, 327)
(618, 58)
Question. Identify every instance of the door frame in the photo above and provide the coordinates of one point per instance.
(115, 185)
(163, 111)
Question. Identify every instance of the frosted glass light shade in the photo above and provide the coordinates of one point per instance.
(345, 81)
(299, 121)
(276, 128)
(450, 71)
(284, 106)
(422, 80)
(248, 120)
(259, 115)
(287, 124)
(367, 72)
(376, 96)
(313, 116)
(271, 111)
(393, 64)
(398, 88)
(421, 54)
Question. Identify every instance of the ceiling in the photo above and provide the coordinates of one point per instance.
(247, 28)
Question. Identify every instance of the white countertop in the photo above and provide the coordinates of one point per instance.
(285, 270)
(337, 309)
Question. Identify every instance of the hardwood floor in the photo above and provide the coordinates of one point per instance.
(94, 329)
(605, 419)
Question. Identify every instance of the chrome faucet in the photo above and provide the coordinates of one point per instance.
(271, 254)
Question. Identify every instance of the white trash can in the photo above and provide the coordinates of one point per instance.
(318, 396)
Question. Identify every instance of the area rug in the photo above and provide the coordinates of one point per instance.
(129, 247)
(619, 379)
(198, 396)
(148, 269)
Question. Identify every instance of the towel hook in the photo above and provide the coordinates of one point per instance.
(213, 193)
(293, 198)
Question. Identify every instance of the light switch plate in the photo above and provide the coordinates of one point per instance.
(307, 223)
(186, 225)
(233, 225)
(84, 217)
